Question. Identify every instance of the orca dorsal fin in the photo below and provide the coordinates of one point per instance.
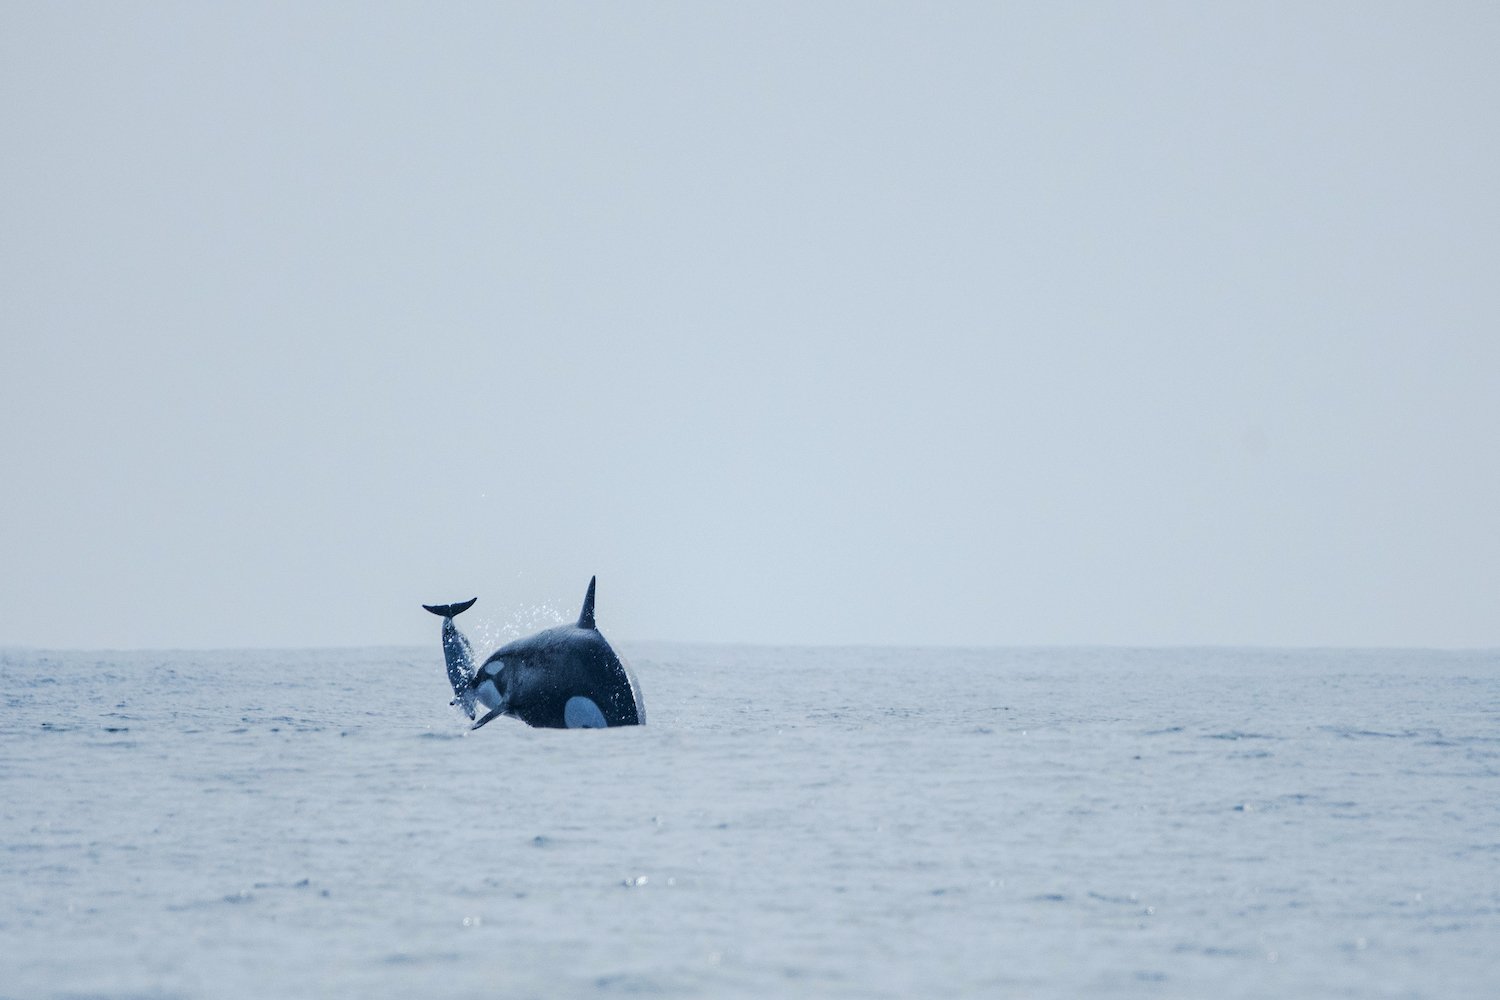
(586, 616)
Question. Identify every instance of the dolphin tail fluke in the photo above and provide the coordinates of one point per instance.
(586, 616)
(449, 610)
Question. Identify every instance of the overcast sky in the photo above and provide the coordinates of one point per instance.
(1129, 323)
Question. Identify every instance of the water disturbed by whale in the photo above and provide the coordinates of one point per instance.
(568, 677)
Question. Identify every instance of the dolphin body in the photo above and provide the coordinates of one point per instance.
(561, 678)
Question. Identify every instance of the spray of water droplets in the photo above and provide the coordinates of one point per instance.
(489, 634)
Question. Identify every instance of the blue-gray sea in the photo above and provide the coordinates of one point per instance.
(850, 822)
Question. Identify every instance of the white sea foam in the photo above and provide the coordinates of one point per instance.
(857, 822)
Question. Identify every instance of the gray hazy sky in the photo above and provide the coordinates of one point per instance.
(991, 324)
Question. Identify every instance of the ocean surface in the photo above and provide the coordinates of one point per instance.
(791, 822)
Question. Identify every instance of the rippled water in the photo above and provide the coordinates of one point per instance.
(832, 822)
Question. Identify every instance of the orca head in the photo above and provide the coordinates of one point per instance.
(491, 684)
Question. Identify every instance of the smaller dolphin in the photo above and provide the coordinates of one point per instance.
(457, 653)
(561, 678)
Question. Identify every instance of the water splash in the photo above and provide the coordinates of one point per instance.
(489, 634)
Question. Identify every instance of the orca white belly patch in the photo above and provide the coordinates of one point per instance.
(582, 713)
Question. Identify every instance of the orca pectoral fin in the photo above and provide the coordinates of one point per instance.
(486, 719)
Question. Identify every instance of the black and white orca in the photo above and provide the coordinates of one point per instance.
(562, 678)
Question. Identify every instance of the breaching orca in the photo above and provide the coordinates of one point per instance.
(562, 678)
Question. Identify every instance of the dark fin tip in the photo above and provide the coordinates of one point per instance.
(484, 721)
(586, 616)
(449, 610)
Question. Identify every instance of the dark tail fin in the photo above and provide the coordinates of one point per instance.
(449, 610)
(586, 616)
